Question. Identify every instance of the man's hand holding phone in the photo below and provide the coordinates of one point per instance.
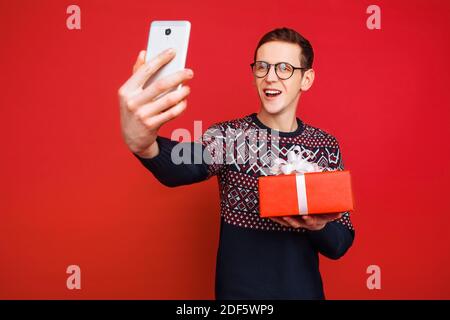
(141, 112)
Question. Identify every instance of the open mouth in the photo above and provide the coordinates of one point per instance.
(272, 92)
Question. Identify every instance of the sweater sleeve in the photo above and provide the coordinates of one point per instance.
(337, 236)
(183, 163)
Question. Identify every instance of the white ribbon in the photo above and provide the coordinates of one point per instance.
(296, 163)
(300, 165)
(302, 200)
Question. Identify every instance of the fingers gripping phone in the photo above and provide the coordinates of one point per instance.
(164, 35)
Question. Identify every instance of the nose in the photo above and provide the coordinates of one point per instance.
(271, 75)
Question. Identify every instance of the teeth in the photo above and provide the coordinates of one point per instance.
(272, 91)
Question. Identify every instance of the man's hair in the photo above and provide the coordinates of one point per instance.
(291, 36)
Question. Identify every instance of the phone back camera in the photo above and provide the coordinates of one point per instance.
(168, 31)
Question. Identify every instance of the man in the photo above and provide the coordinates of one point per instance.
(257, 258)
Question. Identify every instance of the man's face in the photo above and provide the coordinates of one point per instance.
(274, 52)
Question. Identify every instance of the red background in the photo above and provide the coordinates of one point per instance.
(72, 193)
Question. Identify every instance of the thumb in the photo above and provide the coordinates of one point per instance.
(139, 61)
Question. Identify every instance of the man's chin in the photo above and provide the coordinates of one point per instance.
(272, 109)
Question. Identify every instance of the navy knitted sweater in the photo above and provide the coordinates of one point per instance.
(257, 258)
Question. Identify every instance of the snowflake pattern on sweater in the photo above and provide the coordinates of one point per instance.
(253, 147)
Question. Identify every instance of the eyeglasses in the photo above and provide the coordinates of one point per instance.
(283, 70)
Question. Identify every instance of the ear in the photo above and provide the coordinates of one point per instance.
(307, 80)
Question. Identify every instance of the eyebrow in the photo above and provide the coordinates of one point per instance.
(292, 64)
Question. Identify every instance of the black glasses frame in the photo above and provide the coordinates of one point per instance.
(275, 65)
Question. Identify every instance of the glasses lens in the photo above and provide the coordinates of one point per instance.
(260, 69)
(284, 70)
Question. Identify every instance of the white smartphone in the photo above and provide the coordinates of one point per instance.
(164, 35)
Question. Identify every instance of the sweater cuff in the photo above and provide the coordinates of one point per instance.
(160, 161)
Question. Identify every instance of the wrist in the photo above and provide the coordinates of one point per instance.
(151, 152)
(317, 227)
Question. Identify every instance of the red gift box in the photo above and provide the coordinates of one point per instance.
(305, 193)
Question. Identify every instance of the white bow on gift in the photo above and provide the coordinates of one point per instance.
(296, 163)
